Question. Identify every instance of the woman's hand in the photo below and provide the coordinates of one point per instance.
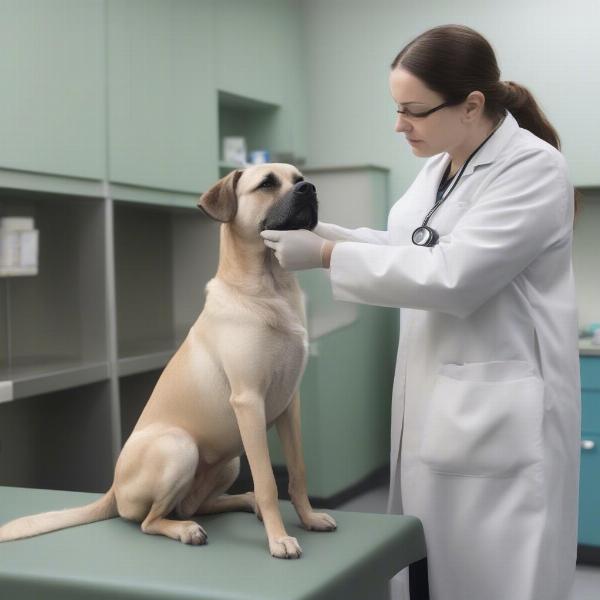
(298, 249)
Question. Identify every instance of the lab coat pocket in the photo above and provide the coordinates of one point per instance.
(484, 419)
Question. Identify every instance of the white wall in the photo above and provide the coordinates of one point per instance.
(550, 46)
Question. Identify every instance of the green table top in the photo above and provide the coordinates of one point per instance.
(114, 559)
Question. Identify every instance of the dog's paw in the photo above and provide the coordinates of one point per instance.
(192, 534)
(285, 547)
(319, 522)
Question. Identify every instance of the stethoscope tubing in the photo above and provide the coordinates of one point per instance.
(457, 178)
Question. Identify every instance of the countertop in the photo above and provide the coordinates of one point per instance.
(586, 348)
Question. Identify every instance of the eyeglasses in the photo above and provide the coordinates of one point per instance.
(420, 115)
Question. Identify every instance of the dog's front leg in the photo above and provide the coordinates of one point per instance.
(249, 408)
(288, 428)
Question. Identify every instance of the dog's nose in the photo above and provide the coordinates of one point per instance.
(304, 187)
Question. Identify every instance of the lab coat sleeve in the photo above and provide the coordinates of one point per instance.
(522, 212)
(333, 232)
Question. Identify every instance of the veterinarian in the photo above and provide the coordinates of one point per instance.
(477, 253)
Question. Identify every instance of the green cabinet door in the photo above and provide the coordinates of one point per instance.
(589, 485)
(251, 47)
(52, 73)
(589, 489)
(162, 98)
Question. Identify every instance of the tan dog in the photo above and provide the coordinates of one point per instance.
(237, 372)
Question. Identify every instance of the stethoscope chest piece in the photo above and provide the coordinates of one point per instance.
(425, 236)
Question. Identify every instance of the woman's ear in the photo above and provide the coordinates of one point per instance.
(220, 201)
(474, 104)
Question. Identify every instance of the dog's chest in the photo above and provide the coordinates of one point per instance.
(288, 368)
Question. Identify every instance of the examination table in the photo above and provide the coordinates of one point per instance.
(114, 560)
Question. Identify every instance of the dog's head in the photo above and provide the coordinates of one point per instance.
(267, 196)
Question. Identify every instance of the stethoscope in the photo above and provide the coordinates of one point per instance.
(427, 236)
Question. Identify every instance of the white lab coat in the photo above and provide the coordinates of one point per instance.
(486, 401)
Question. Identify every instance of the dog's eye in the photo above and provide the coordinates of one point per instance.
(267, 183)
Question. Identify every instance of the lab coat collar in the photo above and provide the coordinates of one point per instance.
(492, 148)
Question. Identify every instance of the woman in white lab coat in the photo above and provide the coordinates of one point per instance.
(486, 400)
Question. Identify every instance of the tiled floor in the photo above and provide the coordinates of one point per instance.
(587, 578)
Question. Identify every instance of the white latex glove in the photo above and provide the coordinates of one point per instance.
(295, 249)
(322, 231)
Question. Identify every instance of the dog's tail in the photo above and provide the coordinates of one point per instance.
(104, 508)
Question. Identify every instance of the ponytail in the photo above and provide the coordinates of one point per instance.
(522, 105)
(519, 101)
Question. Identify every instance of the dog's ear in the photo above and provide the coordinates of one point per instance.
(220, 201)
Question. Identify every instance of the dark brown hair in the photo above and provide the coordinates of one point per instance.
(455, 60)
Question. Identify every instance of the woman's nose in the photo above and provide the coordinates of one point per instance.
(402, 124)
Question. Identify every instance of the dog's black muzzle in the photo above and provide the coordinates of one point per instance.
(298, 209)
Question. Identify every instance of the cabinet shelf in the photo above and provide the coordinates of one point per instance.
(141, 363)
(230, 166)
(586, 348)
(48, 375)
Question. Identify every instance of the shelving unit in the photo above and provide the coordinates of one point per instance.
(53, 324)
(55, 358)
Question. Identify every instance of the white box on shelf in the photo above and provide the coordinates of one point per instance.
(18, 247)
(234, 150)
(6, 391)
(259, 157)
(9, 249)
